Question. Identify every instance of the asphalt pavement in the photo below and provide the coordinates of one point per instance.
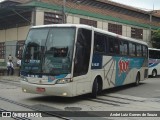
(16, 78)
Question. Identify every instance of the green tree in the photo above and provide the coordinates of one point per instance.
(156, 39)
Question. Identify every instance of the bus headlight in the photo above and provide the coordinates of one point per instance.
(23, 78)
(63, 81)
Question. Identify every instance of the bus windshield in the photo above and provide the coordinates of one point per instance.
(49, 51)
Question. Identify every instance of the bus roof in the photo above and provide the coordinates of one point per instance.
(92, 28)
(154, 49)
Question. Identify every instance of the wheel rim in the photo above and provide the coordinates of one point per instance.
(154, 73)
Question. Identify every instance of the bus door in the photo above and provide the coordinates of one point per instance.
(81, 61)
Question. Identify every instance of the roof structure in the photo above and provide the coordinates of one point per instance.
(101, 9)
(122, 5)
(156, 13)
(13, 15)
(107, 10)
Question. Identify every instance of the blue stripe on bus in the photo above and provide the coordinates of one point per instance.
(96, 61)
(52, 78)
(124, 65)
(153, 64)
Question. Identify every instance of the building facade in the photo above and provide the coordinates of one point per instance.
(17, 16)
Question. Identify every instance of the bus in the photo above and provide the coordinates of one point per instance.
(154, 62)
(74, 59)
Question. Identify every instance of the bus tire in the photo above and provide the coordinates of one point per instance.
(154, 73)
(97, 87)
(137, 79)
(94, 89)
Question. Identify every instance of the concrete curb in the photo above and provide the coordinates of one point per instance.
(14, 78)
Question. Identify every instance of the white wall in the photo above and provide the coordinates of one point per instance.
(13, 34)
(22, 32)
(2, 35)
(100, 24)
(39, 17)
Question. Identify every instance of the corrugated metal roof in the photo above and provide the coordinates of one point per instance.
(102, 9)
(127, 14)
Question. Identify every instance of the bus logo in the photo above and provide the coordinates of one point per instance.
(123, 66)
(51, 78)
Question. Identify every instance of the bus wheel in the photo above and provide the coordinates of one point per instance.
(154, 73)
(94, 89)
(137, 79)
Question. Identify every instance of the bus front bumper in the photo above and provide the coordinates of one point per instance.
(64, 90)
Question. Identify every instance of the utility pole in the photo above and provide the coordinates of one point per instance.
(150, 20)
(64, 12)
(150, 28)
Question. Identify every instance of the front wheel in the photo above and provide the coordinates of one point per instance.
(94, 89)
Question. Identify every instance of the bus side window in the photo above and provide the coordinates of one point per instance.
(123, 47)
(145, 51)
(132, 49)
(158, 54)
(111, 45)
(82, 54)
(99, 43)
(116, 46)
(139, 50)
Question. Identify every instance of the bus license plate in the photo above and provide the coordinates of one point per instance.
(40, 89)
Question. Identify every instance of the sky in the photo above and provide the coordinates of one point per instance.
(142, 4)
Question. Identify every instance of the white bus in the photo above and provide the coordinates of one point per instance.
(154, 62)
(75, 59)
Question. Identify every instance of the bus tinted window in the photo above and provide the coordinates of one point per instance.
(158, 54)
(145, 51)
(83, 49)
(99, 43)
(116, 46)
(123, 47)
(139, 50)
(113, 45)
(154, 54)
(132, 49)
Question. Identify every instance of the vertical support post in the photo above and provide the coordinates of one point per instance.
(64, 11)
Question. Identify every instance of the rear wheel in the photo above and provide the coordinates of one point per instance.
(137, 79)
(154, 73)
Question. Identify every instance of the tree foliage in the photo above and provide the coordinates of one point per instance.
(156, 39)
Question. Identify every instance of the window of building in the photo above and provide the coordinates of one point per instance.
(52, 18)
(2, 50)
(137, 33)
(19, 49)
(115, 28)
(88, 22)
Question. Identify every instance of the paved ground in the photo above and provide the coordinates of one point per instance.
(144, 97)
(10, 78)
